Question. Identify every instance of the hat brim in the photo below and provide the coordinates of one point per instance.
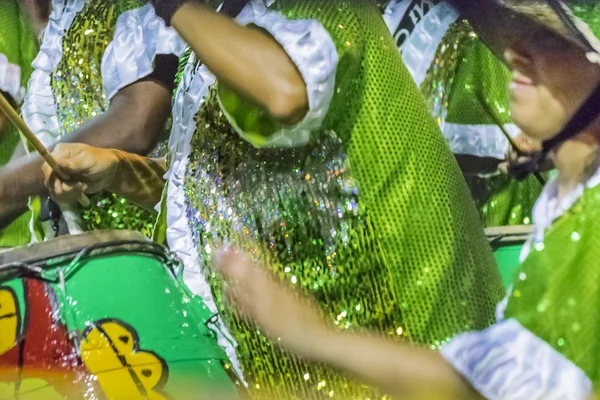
(501, 23)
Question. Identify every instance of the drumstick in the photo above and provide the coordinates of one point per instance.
(511, 142)
(18, 122)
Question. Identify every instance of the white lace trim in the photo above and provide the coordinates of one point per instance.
(312, 50)
(10, 79)
(418, 50)
(139, 36)
(508, 362)
(189, 97)
(39, 108)
(478, 140)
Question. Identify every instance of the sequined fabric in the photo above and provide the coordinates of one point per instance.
(19, 47)
(555, 293)
(78, 90)
(372, 217)
(465, 74)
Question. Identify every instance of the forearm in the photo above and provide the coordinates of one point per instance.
(401, 370)
(246, 59)
(139, 179)
(133, 123)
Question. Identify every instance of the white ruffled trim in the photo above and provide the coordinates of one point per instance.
(188, 99)
(418, 51)
(10, 79)
(478, 140)
(311, 48)
(508, 362)
(39, 108)
(139, 36)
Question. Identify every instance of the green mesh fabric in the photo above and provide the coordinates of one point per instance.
(372, 217)
(18, 44)
(589, 12)
(78, 90)
(556, 293)
(465, 73)
(503, 201)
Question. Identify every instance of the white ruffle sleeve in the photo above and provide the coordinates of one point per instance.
(39, 108)
(508, 362)
(139, 36)
(10, 79)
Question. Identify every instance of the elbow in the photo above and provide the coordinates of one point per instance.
(139, 142)
(288, 103)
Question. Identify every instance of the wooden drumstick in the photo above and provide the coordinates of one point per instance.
(17, 121)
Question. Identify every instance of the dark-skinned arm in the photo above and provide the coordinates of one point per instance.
(245, 59)
(133, 122)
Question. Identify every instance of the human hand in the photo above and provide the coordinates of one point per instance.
(91, 170)
(291, 319)
(525, 147)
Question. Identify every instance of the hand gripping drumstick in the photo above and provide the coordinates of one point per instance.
(17, 121)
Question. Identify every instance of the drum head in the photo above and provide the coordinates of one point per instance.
(65, 245)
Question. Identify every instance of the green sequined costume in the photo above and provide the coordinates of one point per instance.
(555, 294)
(546, 343)
(456, 72)
(371, 216)
(465, 71)
(18, 48)
(78, 89)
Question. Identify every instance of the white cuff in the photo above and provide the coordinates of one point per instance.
(10, 79)
(139, 36)
(310, 47)
(508, 362)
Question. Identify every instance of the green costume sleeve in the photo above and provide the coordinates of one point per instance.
(18, 47)
(556, 295)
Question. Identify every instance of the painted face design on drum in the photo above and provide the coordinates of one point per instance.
(111, 360)
(10, 319)
(110, 350)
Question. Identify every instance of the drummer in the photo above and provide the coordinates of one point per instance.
(324, 174)
(546, 342)
(457, 73)
(98, 79)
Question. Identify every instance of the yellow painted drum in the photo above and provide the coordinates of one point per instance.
(104, 315)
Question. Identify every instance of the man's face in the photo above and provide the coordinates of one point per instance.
(551, 80)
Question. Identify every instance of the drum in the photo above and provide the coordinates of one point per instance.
(507, 243)
(104, 315)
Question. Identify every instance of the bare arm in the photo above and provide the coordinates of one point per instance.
(246, 59)
(295, 322)
(401, 370)
(139, 179)
(133, 123)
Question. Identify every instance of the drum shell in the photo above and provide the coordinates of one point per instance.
(134, 291)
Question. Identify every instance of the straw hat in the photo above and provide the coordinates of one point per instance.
(499, 22)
